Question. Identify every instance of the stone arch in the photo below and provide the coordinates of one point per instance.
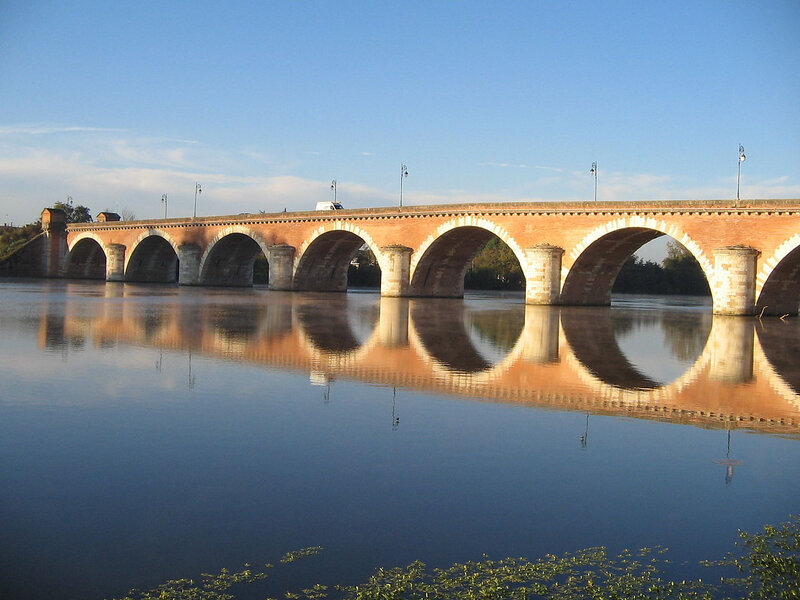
(229, 258)
(594, 263)
(323, 260)
(778, 280)
(86, 258)
(439, 264)
(153, 258)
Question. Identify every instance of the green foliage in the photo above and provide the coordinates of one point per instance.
(679, 273)
(494, 267)
(302, 553)
(207, 587)
(769, 569)
(771, 566)
(13, 238)
(75, 214)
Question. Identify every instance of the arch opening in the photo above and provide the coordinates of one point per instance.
(442, 269)
(326, 263)
(781, 292)
(235, 260)
(153, 261)
(494, 267)
(615, 264)
(86, 260)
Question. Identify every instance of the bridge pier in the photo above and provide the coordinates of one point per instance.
(543, 275)
(281, 263)
(115, 262)
(189, 261)
(731, 342)
(734, 286)
(393, 321)
(395, 279)
(540, 334)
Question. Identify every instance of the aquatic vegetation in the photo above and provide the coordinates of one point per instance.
(769, 568)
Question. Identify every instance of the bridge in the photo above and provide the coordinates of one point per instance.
(745, 375)
(570, 253)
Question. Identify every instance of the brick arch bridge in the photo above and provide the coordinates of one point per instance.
(569, 253)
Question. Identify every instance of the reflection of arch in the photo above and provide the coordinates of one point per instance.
(594, 344)
(598, 258)
(599, 362)
(781, 347)
(440, 328)
(327, 334)
(438, 335)
(154, 259)
(230, 256)
(324, 259)
(86, 258)
(778, 282)
(439, 264)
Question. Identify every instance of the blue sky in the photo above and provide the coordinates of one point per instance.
(264, 103)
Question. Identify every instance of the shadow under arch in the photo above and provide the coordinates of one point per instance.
(85, 260)
(600, 256)
(442, 265)
(780, 294)
(153, 260)
(592, 275)
(230, 260)
(323, 265)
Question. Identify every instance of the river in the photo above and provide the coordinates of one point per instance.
(153, 432)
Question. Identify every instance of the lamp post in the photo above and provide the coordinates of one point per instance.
(333, 187)
(593, 172)
(403, 174)
(164, 202)
(197, 190)
(742, 158)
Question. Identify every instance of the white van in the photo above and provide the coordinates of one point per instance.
(328, 205)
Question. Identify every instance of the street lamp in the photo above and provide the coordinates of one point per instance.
(593, 172)
(403, 174)
(333, 187)
(164, 202)
(742, 158)
(197, 190)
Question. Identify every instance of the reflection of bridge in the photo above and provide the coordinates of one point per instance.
(569, 253)
(423, 344)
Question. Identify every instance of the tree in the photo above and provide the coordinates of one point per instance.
(495, 267)
(75, 214)
(684, 274)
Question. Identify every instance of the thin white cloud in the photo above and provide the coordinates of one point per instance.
(52, 129)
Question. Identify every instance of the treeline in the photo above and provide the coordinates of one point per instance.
(679, 273)
(13, 238)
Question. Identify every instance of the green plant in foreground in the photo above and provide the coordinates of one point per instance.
(769, 568)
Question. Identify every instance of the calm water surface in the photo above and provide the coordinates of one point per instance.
(151, 432)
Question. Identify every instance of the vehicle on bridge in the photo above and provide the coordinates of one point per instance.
(328, 205)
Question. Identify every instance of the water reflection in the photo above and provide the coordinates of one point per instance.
(730, 372)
